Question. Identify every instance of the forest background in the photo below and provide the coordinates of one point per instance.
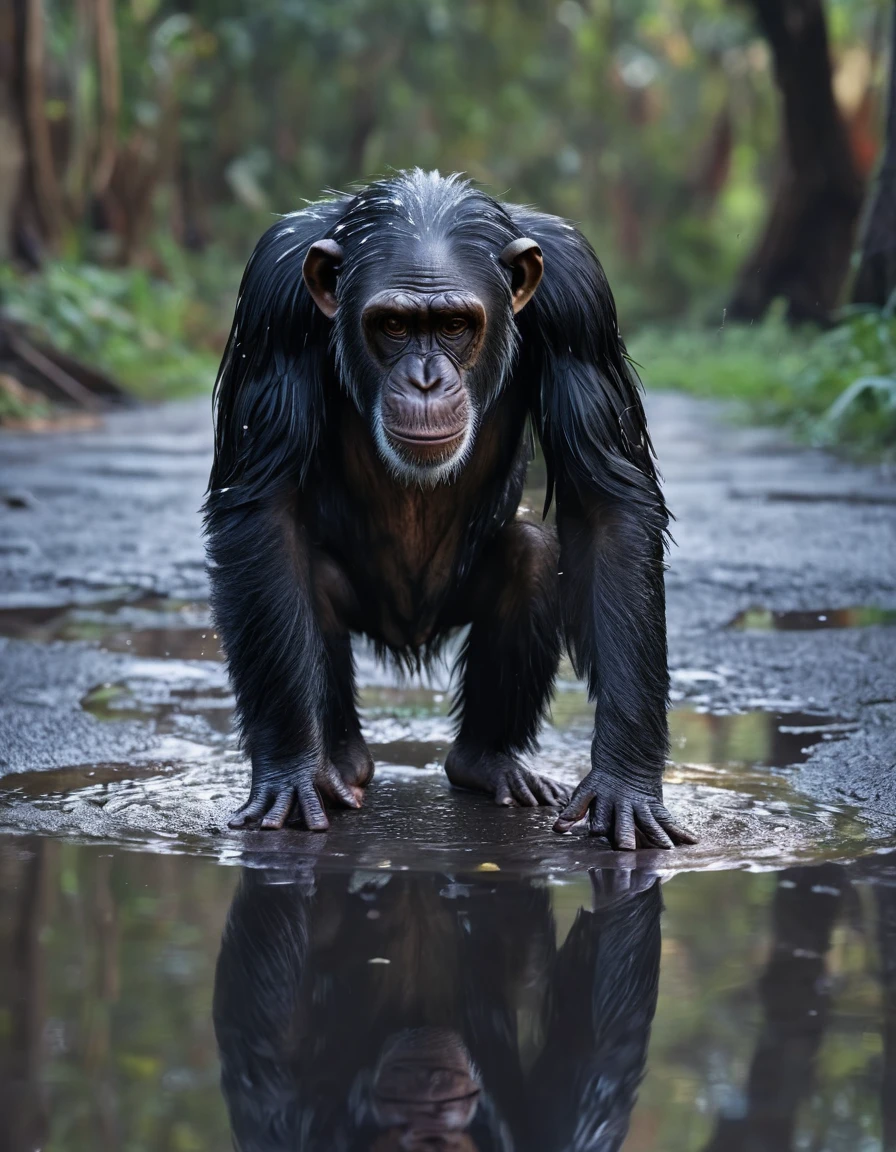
(733, 163)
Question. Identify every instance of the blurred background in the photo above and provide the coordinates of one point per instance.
(729, 161)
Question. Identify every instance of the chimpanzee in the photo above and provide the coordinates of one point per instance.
(418, 1012)
(388, 360)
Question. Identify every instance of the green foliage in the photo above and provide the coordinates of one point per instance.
(653, 124)
(145, 332)
(835, 388)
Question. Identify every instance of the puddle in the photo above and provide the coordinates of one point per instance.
(411, 725)
(362, 1008)
(172, 709)
(764, 620)
(762, 739)
(854, 499)
(150, 627)
(729, 780)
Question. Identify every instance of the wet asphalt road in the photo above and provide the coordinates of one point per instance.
(114, 711)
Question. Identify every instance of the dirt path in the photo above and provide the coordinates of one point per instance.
(114, 711)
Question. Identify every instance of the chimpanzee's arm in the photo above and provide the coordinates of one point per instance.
(584, 1084)
(611, 520)
(256, 1008)
(269, 407)
(264, 609)
(612, 596)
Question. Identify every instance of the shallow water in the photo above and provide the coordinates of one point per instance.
(764, 620)
(434, 973)
(482, 1010)
(731, 778)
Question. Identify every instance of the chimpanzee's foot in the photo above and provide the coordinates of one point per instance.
(502, 777)
(351, 758)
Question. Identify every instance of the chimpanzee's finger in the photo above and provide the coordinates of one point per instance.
(548, 791)
(332, 785)
(562, 792)
(542, 790)
(650, 830)
(280, 809)
(677, 834)
(256, 806)
(503, 795)
(624, 828)
(522, 793)
(601, 819)
(311, 808)
(575, 809)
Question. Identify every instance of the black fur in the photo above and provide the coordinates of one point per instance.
(294, 389)
(611, 516)
(303, 1020)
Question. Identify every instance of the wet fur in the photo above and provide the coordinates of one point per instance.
(304, 516)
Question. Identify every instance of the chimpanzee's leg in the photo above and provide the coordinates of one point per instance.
(266, 612)
(348, 749)
(508, 667)
(335, 605)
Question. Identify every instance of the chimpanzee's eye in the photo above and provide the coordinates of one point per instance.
(454, 325)
(395, 326)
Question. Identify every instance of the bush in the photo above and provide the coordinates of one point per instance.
(834, 387)
(146, 333)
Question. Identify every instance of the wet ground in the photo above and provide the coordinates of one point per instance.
(434, 972)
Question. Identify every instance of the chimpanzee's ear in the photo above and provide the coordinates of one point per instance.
(320, 270)
(523, 257)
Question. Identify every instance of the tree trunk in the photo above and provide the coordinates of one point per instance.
(45, 181)
(804, 253)
(21, 230)
(875, 281)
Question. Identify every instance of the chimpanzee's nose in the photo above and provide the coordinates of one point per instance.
(425, 373)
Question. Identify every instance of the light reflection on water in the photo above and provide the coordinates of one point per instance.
(480, 1011)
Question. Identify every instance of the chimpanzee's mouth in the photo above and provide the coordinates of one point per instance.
(434, 440)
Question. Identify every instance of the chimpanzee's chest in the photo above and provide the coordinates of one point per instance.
(410, 552)
(407, 570)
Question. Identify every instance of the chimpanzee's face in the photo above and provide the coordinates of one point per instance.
(412, 332)
(425, 339)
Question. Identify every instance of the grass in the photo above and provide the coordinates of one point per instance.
(835, 388)
(156, 337)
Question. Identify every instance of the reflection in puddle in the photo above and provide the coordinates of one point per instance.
(91, 783)
(411, 725)
(443, 1010)
(763, 739)
(763, 620)
(173, 709)
(435, 1011)
(150, 626)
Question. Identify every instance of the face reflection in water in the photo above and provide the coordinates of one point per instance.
(422, 1012)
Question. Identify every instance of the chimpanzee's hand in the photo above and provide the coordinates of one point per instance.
(625, 816)
(502, 777)
(613, 886)
(279, 790)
